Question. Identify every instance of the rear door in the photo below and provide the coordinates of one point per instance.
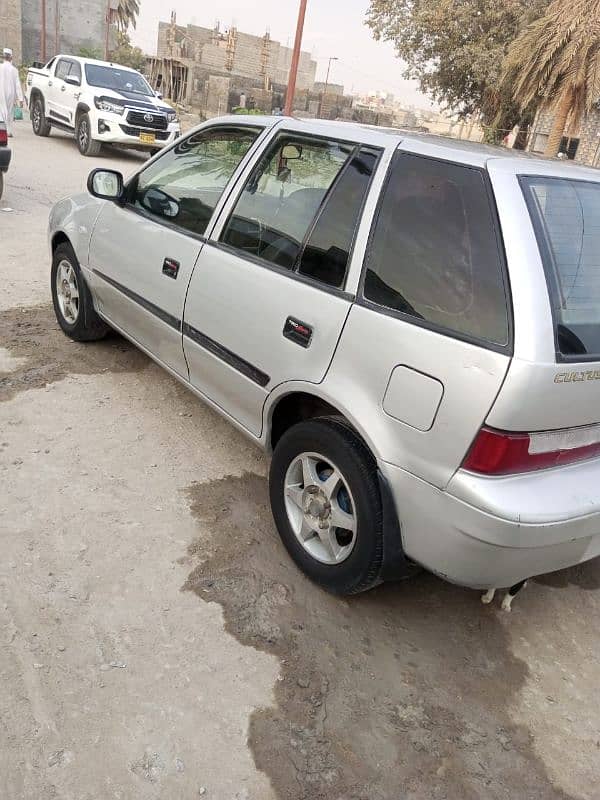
(266, 302)
(142, 254)
(56, 105)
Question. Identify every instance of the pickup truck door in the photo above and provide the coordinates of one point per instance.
(142, 253)
(266, 302)
(55, 96)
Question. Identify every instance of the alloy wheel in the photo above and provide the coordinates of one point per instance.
(67, 292)
(320, 508)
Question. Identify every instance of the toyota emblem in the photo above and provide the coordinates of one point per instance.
(148, 118)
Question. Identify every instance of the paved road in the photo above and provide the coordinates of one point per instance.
(156, 642)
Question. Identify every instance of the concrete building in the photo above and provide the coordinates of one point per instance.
(217, 70)
(582, 145)
(70, 26)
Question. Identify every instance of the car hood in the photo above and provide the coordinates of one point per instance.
(133, 100)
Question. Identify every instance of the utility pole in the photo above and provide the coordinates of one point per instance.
(332, 58)
(107, 39)
(43, 32)
(291, 88)
(56, 28)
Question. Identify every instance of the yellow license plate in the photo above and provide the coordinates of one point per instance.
(147, 138)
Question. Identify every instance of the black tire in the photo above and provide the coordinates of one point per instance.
(87, 326)
(39, 123)
(361, 569)
(87, 146)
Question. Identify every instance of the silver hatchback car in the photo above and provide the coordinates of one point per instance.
(409, 325)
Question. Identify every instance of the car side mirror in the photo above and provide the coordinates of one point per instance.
(159, 95)
(73, 80)
(107, 184)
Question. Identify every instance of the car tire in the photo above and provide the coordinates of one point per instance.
(72, 300)
(39, 123)
(87, 146)
(344, 561)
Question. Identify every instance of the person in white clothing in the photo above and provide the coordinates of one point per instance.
(11, 92)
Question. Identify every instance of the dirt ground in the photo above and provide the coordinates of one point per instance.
(156, 641)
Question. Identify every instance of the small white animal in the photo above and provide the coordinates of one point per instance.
(508, 597)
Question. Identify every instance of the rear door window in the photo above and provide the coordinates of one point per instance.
(435, 254)
(300, 207)
(566, 217)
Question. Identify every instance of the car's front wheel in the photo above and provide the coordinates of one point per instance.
(86, 144)
(326, 504)
(71, 297)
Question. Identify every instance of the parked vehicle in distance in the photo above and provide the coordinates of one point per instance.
(5, 154)
(409, 324)
(100, 103)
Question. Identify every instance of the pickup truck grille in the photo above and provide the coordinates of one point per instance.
(161, 136)
(147, 119)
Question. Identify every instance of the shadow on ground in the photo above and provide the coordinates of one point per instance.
(32, 334)
(400, 693)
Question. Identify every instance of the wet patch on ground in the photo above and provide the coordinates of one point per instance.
(42, 354)
(399, 693)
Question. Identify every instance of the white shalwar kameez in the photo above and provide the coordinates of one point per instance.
(10, 92)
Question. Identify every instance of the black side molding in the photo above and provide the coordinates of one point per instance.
(240, 364)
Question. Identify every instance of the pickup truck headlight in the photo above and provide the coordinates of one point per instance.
(104, 104)
(171, 116)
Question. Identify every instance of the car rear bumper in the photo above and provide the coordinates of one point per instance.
(5, 155)
(473, 547)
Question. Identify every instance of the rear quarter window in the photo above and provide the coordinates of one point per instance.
(566, 218)
(435, 254)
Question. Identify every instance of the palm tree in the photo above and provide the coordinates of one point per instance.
(126, 14)
(556, 60)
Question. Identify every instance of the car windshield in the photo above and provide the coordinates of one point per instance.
(566, 216)
(119, 80)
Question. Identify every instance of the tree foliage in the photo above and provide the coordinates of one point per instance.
(556, 59)
(126, 54)
(455, 49)
(127, 13)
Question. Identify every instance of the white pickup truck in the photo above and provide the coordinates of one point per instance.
(101, 103)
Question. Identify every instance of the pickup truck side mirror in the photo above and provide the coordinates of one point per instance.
(159, 95)
(72, 80)
(106, 184)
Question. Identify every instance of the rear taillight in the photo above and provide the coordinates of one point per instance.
(501, 453)
(3, 137)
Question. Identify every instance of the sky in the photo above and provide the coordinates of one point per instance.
(332, 28)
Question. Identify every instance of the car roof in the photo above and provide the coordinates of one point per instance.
(95, 62)
(445, 148)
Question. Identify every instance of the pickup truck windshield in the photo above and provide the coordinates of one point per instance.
(119, 80)
(566, 217)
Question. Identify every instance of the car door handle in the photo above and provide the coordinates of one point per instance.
(298, 332)
(63, 88)
(170, 268)
(49, 83)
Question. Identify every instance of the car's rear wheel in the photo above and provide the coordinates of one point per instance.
(326, 504)
(86, 144)
(39, 123)
(71, 297)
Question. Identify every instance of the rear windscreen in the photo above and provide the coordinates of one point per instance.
(566, 216)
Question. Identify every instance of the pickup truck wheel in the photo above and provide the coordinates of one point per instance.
(87, 145)
(71, 297)
(39, 123)
(326, 504)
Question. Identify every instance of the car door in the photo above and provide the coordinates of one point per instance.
(266, 302)
(55, 96)
(142, 252)
(68, 93)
